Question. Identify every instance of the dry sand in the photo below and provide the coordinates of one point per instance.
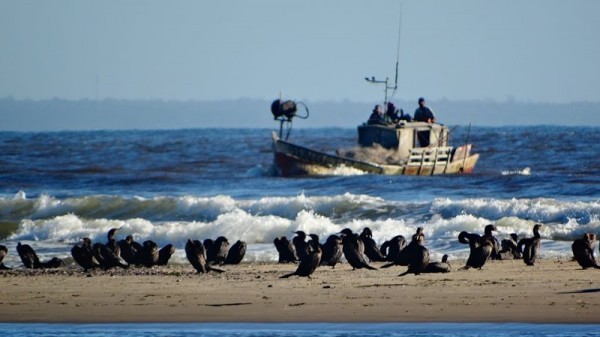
(553, 291)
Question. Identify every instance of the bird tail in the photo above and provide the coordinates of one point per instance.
(287, 275)
(388, 265)
(370, 267)
(217, 270)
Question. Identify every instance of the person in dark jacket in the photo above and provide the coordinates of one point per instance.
(424, 113)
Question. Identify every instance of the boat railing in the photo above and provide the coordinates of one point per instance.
(429, 160)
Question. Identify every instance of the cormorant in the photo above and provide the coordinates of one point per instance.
(332, 251)
(583, 251)
(236, 253)
(439, 267)
(371, 249)
(352, 250)
(196, 255)
(529, 247)
(286, 250)
(480, 249)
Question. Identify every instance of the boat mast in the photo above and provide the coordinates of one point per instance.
(386, 82)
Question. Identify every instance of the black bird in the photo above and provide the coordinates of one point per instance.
(106, 257)
(439, 267)
(164, 254)
(302, 247)
(220, 249)
(391, 249)
(308, 264)
(83, 255)
(209, 250)
(286, 250)
(529, 247)
(370, 246)
(583, 251)
(508, 248)
(480, 249)
(313, 243)
(149, 255)
(3, 253)
(406, 254)
(130, 251)
(417, 256)
(332, 251)
(31, 261)
(236, 253)
(196, 255)
(488, 235)
(28, 256)
(352, 250)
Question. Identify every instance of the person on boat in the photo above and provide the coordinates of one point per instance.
(424, 113)
(391, 114)
(394, 116)
(377, 116)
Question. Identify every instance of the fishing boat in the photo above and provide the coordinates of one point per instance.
(401, 147)
(404, 148)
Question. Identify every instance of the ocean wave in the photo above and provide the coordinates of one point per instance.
(523, 172)
(54, 225)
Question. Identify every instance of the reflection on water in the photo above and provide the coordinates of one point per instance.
(299, 329)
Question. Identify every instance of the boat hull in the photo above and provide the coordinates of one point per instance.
(295, 160)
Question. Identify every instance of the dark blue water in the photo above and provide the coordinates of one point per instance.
(199, 183)
(302, 329)
(563, 162)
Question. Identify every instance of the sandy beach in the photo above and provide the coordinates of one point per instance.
(553, 291)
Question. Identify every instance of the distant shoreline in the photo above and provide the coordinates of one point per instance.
(116, 114)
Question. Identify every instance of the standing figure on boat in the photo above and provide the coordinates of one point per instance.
(424, 113)
(377, 116)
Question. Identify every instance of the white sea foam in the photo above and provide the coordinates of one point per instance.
(524, 172)
(259, 221)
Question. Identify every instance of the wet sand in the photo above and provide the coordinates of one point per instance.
(552, 291)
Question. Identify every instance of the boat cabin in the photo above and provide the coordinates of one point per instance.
(404, 137)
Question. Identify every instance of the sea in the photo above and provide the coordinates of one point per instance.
(171, 185)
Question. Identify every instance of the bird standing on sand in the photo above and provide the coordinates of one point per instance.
(332, 251)
(352, 248)
(286, 250)
(529, 247)
(583, 251)
(403, 257)
(509, 249)
(31, 261)
(370, 246)
(236, 253)
(300, 245)
(488, 235)
(391, 249)
(480, 249)
(3, 253)
(196, 255)
(418, 257)
(309, 263)
(83, 255)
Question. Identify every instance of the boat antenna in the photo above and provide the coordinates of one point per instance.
(398, 50)
(386, 82)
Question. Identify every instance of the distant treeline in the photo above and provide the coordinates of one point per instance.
(60, 114)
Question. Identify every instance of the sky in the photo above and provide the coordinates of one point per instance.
(530, 51)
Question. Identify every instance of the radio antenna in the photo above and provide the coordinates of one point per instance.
(398, 50)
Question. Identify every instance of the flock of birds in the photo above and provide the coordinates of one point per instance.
(355, 248)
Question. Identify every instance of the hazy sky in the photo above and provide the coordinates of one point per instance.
(538, 51)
